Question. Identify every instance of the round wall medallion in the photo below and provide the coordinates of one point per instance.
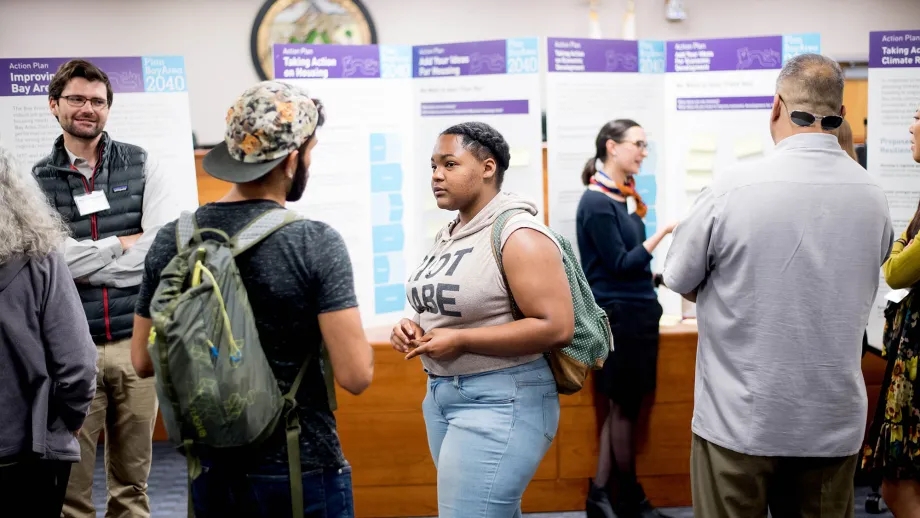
(345, 22)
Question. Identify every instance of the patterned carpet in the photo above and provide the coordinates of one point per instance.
(168, 489)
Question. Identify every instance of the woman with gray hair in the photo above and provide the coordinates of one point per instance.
(47, 357)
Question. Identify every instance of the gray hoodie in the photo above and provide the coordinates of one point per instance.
(458, 283)
(47, 359)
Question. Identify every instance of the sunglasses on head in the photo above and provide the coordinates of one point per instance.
(805, 119)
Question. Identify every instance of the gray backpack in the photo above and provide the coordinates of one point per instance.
(211, 372)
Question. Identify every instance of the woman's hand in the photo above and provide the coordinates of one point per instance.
(404, 333)
(671, 226)
(439, 344)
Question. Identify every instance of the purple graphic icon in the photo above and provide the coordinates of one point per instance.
(364, 67)
(489, 62)
(620, 61)
(127, 80)
(767, 58)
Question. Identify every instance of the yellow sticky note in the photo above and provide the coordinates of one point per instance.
(696, 181)
(748, 146)
(519, 157)
(700, 161)
(703, 142)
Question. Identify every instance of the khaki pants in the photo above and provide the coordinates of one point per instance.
(127, 407)
(727, 484)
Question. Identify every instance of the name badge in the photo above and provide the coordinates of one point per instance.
(91, 203)
(630, 204)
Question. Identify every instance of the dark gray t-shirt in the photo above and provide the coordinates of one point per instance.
(291, 277)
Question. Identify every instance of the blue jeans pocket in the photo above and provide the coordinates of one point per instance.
(492, 388)
(550, 415)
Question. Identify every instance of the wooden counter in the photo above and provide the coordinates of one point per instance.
(383, 436)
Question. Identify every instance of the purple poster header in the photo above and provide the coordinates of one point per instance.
(724, 103)
(299, 61)
(513, 107)
(894, 49)
(460, 59)
(592, 55)
(30, 76)
(760, 53)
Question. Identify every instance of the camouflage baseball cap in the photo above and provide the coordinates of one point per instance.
(268, 122)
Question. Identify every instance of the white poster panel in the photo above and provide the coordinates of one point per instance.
(496, 82)
(589, 83)
(361, 180)
(894, 97)
(150, 110)
(718, 94)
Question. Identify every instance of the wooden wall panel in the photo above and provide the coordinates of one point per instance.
(209, 188)
(856, 101)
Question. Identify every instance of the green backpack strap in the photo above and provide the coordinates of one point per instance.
(261, 227)
(185, 229)
(292, 426)
(498, 226)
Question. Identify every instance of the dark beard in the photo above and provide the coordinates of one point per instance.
(299, 183)
(85, 135)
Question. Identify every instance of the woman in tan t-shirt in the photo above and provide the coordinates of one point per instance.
(492, 406)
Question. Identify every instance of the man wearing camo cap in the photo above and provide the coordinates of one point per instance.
(300, 285)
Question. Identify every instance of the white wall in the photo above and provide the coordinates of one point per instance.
(214, 35)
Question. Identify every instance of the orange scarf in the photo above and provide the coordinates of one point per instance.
(627, 190)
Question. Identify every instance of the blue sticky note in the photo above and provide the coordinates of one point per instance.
(396, 207)
(388, 238)
(378, 147)
(381, 269)
(386, 177)
(647, 188)
(650, 163)
(651, 221)
(389, 298)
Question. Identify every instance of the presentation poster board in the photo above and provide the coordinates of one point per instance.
(361, 176)
(496, 82)
(719, 93)
(590, 82)
(370, 176)
(150, 109)
(894, 97)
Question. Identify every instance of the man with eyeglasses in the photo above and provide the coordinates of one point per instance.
(782, 256)
(114, 200)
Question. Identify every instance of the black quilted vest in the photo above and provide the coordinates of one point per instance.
(120, 174)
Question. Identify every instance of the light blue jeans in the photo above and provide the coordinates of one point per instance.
(488, 434)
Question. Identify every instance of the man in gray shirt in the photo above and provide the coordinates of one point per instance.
(782, 256)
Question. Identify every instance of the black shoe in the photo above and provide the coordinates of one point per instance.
(598, 505)
(647, 510)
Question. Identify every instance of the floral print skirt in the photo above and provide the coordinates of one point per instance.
(892, 448)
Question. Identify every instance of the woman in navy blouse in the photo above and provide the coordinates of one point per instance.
(616, 257)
